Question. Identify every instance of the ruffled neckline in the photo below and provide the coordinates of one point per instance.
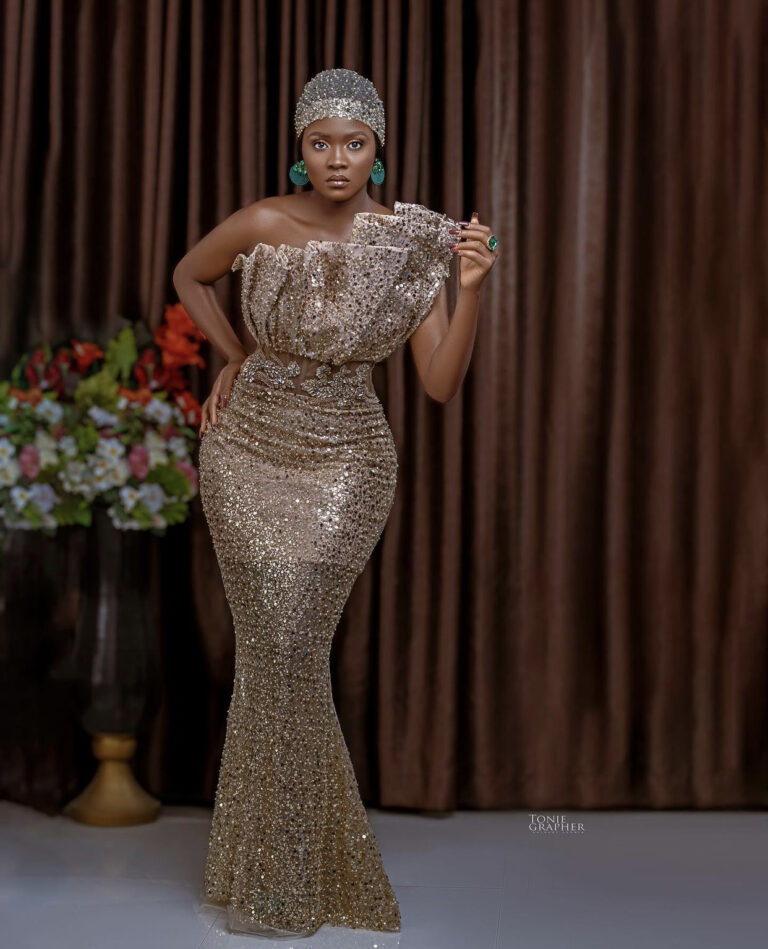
(416, 217)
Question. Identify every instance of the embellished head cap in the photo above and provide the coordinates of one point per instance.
(341, 92)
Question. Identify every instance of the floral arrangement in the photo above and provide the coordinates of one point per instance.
(81, 424)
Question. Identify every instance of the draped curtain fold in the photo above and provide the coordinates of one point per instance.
(568, 605)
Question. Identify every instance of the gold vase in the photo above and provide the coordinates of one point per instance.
(113, 798)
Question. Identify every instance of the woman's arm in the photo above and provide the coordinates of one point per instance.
(210, 259)
(442, 348)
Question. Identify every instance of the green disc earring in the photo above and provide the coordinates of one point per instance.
(298, 173)
(377, 172)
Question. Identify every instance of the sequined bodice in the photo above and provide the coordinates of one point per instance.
(356, 301)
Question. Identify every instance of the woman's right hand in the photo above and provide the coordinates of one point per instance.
(219, 393)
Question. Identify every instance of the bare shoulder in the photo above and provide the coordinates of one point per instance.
(264, 217)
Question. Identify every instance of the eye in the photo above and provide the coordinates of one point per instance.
(355, 141)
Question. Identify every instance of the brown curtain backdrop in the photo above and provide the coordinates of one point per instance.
(568, 606)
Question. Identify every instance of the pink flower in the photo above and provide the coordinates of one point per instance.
(189, 472)
(138, 460)
(29, 461)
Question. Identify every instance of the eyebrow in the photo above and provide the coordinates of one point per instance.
(319, 134)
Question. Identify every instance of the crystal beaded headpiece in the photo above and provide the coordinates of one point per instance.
(341, 92)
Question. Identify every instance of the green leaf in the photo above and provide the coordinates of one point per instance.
(33, 514)
(87, 438)
(99, 389)
(73, 510)
(141, 514)
(170, 479)
(175, 512)
(24, 428)
(17, 373)
(132, 428)
(121, 354)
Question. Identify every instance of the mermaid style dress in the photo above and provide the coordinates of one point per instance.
(297, 479)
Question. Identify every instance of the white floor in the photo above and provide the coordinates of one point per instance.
(468, 880)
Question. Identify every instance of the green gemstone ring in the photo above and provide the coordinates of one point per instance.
(492, 242)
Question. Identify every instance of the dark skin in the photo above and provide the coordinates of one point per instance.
(441, 347)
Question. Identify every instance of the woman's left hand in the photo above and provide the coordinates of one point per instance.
(477, 258)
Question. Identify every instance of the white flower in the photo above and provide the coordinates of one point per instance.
(73, 472)
(129, 496)
(4, 419)
(44, 441)
(122, 402)
(76, 478)
(7, 451)
(152, 496)
(119, 473)
(110, 448)
(153, 441)
(20, 497)
(101, 417)
(100, 467)
(49, 410)
(46, 445)
(13, 402)
(43, 496)
(67, 446)
(9, 473)
(159, 521)
(156, 446)
(178, 447)
(158, 411)
(178, 415)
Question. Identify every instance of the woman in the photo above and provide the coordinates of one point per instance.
(297, 478)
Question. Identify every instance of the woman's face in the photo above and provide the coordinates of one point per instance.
(341, 147)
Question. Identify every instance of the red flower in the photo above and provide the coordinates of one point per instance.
(178, 338)
(53, 379)
(33, 395)
(179, 320)
(63, 358)
(143, 395)
(35, 366)
(171, 379)
(177, 349)
(145, 367)
(190, 407)
(85, 354)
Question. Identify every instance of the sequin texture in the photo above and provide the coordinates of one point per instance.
(341, 92)
(297, 480)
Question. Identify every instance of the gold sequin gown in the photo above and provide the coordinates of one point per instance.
(297, 479)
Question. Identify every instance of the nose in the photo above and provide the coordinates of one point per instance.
(337, 158)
